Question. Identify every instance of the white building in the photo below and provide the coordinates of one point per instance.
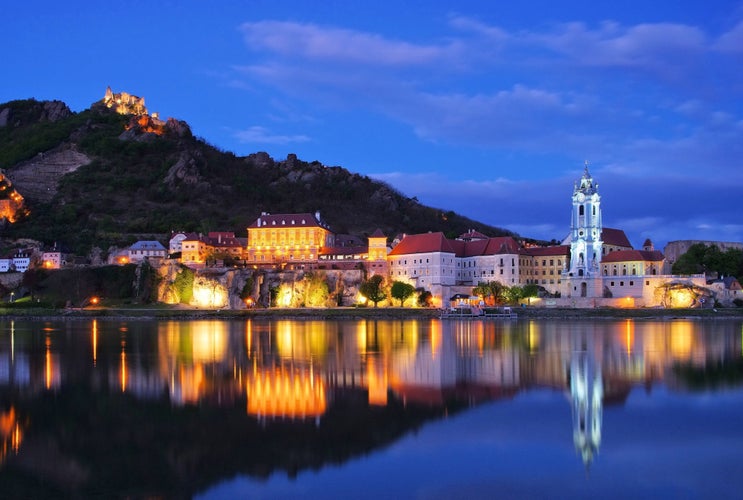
(612, 273)
(144, 249)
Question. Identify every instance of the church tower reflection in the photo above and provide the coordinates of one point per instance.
(586, 393)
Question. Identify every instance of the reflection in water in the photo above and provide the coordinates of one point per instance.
(319, 373)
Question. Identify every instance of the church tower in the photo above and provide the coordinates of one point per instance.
(585, 228)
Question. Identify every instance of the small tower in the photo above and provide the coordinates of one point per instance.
(585, 228)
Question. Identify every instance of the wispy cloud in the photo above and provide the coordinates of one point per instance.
(322, 43)
(259, 135)
(638, 100)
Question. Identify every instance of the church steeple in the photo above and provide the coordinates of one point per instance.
(585, 227)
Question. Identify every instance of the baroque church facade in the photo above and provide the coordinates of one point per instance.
(600, 274)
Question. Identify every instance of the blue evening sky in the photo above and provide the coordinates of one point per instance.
(486, 108)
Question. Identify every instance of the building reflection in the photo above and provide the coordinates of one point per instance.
(297, 370)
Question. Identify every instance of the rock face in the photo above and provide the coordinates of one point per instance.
(38, 178)
(222, 288)
(184, 171)
(46, 111)
(55, 110)
(4, 116)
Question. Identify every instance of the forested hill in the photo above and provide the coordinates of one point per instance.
(99, 178)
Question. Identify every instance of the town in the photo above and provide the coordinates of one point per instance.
(594, 266)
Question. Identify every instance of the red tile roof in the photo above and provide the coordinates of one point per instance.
(633, 255)
(437, 242)
(422, 243)
(615, 237)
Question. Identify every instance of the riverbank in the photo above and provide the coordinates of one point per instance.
(382, 313)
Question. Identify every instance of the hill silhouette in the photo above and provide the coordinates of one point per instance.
(100, 178)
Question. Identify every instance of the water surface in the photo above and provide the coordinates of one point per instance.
(369, 408)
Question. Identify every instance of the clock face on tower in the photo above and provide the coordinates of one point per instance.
(581, 197)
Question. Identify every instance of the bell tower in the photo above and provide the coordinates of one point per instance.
(585, 228)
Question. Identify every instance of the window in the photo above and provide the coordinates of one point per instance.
(631, 283)
(581, 210)
(552, 262)
(621, 283)
(612, 283)
(647, 283)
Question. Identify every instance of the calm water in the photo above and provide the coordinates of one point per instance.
(371, 409)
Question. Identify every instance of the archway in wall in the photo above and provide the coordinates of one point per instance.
(583, 289)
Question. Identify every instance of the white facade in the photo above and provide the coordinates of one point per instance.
(585, 228)
(146, 249)
(423, 270)
(478, 268)
(51, 260)
(176, 242)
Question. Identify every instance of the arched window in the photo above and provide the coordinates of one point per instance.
(582, 210)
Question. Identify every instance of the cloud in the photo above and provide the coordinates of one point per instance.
(658, 207)
(637, 98)
(731, 41)
(260, 135)
(313, 42)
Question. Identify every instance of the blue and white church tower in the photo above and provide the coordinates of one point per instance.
(583, 276)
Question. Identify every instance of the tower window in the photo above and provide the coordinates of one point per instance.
(582, 210)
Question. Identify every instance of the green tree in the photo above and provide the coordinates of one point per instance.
(494, 289)
(700, 258)
(513, 294)
(316, 291)
(401, 291)
(373, 289)
(183, 285)
(425, 299)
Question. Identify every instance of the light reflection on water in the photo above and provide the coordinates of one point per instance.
(311, 407)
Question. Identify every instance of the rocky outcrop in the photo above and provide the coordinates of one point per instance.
(184, 171)
(53, 111)
(4, 116)
(45, 111)
(38, 178)
(223, 288)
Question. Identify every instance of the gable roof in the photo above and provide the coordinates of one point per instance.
(287, 220)
(615, 237)
(422, 243)
(378, 234)
(633, 256)
(147, 245)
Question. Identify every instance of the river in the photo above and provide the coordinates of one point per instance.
(371, 408)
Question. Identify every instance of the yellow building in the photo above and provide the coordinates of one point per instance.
(287, 239)
(197, 248)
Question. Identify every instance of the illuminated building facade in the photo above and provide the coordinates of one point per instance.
(603, 267)
(287, 239)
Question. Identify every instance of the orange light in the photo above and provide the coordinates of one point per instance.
(94, 300)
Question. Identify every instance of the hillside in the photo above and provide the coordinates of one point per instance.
(100, 178)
